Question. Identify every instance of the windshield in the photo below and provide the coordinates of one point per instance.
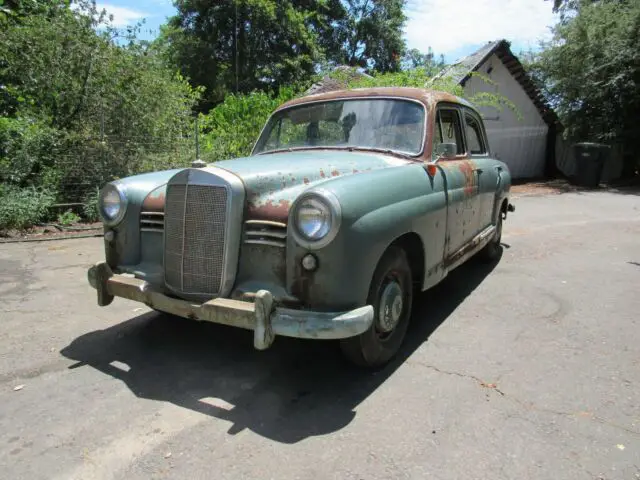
(387, 124)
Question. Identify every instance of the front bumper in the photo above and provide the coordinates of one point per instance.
(261, 316)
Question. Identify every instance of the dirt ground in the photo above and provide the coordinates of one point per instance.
(528, 369)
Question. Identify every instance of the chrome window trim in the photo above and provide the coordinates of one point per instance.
(217, 177)
(476, 116)
(363, 97)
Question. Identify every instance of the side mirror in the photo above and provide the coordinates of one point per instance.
(443, 150)
(446, 149)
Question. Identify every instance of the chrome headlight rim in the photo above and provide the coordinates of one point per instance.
(331, 202)
(123, 204)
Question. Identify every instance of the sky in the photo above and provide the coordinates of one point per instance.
(454, 28)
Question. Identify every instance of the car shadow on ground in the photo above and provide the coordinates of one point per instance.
(290, 392)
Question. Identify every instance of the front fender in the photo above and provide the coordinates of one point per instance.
(125, 247)
(377, 208)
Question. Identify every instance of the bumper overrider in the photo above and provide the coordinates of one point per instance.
(261, 316)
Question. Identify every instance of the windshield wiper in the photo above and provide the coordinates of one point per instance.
(388, 151)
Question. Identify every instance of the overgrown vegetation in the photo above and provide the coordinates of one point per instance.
(590, 72)
(23, 207)
(238, 46)
(231, 128)
(82, 102)
(68, 217)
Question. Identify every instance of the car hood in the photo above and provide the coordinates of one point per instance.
(273, 181)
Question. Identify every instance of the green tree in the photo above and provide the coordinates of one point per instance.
(368, 34)
(590, 72)
(13, 11)
(80, 107)
(414, 58)
(243, 45)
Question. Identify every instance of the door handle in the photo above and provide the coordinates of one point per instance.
(479, 170)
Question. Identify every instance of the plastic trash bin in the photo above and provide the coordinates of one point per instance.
(590, 160)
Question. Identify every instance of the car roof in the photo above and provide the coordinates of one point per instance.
(424, 95)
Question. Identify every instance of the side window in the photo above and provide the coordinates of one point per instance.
(474, 135)
(448, 130)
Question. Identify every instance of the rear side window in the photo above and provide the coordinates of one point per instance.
(475, 138)
(448, 130)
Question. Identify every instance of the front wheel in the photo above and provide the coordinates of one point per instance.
(391, 294)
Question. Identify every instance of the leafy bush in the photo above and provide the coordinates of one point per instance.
(90, 206)
(26, 146)
(23, 207)
(68, 218)
(231, 128)
(80, 104)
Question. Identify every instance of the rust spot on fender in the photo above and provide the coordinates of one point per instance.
(154, 201)
(269, 210)
(468, 170)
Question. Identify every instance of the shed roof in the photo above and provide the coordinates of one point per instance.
(461, 71)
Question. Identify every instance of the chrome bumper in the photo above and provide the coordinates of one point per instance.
(262, 317)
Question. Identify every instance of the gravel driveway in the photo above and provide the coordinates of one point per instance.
(528, 369)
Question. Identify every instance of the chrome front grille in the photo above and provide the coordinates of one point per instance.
(195, 231)
(263, 232)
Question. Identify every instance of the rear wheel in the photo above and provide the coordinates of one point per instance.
(391, 294)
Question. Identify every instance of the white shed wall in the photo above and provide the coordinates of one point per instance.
(520, 143)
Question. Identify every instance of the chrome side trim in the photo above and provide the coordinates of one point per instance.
(152, 222)
(266, 222)
(470, 248)
(266, 242)
(265, 232)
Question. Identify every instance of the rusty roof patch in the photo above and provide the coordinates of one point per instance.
(423, 95)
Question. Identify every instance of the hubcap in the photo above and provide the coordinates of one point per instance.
(390, 307)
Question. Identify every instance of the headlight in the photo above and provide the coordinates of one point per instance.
(113, 204)
(316, 219)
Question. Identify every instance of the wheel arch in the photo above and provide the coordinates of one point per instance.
(413, 246)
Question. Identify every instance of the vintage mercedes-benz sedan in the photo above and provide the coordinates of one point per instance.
(350, 204)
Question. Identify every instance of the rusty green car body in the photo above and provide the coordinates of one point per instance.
(350, 202)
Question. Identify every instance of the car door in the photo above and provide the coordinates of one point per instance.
(486, 175)
(460, 174)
